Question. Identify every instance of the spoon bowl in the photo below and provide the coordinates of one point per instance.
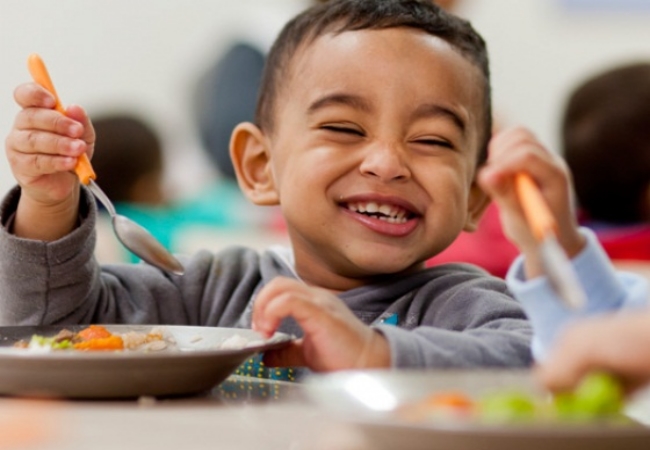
(136, 238)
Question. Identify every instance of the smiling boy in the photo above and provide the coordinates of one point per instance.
(373, 120)
(389, 158)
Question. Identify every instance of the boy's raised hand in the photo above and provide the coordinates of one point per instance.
(334, 338)
(518, 150)
(42, 149)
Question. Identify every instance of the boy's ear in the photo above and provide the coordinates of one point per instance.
(250, 157)
(476, 206)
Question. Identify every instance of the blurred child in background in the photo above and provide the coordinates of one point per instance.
(129, 164)
(606, 142)
(130, 168)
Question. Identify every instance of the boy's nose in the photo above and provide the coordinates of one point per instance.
(385, 161)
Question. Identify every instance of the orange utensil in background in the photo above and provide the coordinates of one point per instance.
(134, 237)
(555, 262)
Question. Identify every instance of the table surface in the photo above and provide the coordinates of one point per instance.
(242, 413)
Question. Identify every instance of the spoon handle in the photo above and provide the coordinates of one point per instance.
(37, 69)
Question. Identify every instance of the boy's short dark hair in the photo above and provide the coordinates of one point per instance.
(338, 16)
(606, 140)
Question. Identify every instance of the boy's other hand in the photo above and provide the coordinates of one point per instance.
(517, 150)
(334, 338)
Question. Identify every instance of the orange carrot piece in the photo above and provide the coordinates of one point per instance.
(105, 343)
(455, 400)
(93, 332)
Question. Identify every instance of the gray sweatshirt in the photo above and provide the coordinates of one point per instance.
(453, 315)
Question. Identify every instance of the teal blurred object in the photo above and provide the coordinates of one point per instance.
(222, 205)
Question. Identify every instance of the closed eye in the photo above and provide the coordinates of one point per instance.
(343, 130)
(435, 143)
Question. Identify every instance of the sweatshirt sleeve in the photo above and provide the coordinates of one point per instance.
(60, 282)
(606, 289)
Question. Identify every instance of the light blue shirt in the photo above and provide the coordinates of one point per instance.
(607, 290)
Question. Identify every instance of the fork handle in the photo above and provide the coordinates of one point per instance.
(37, 69)
(538, 214)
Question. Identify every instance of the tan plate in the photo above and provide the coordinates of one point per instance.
(367, 400)
(195, 367)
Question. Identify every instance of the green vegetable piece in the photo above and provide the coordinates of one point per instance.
(62, 345)
(41, 341)
(599, 395)
(507, 407)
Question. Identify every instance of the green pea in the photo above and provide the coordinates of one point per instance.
(507, 407)
(599, 395)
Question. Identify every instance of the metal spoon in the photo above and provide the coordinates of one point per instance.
(134, 237)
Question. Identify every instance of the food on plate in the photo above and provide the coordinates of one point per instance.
(599, 396)
(98, 338)
(237, 342)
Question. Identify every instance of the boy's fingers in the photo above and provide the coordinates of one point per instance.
(78, 114)
(279, 287)
(526, 158)
(48, 120)
(560, 373)
(503, 141)
(267, 319)
(572, 358)
(276, 287)
(33, 95)
(43, 142)
(289, 356)
(37, 165)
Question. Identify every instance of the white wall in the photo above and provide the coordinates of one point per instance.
(147, 53)
(540, 50)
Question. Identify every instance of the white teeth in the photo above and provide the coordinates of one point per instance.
(385, 212)
(373, 207)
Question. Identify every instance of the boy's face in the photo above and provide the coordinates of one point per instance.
(373, 153)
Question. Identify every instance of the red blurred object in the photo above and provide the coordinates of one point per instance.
(487, 247)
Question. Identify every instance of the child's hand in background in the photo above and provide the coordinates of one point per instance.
(334, 338)
(617, 344)
(518, 150)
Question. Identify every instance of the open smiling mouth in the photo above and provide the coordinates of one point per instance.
(382, 211)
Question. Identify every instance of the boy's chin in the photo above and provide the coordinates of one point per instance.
(386, 264)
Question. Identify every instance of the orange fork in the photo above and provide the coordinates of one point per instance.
(37, 69)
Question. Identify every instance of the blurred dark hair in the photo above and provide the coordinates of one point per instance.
(127, 148)
(338, 16)
(225, 96)
(606, 143)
